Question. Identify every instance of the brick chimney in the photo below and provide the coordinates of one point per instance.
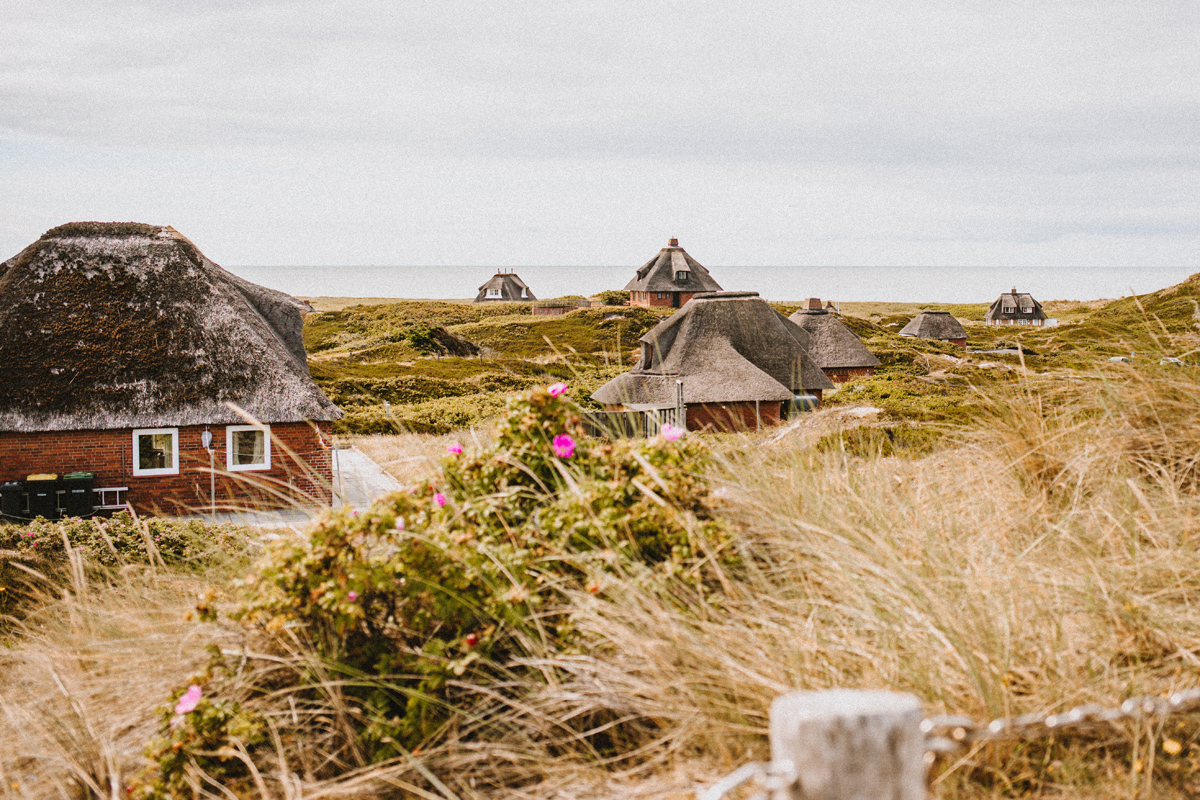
(813, 303)
(673, 243)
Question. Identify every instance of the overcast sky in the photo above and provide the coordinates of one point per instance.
(510, 133)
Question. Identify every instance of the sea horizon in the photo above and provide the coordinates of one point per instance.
(776, 283)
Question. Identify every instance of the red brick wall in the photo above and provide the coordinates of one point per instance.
(960, 342)
(652, 299)
(301, 466)
(732, 416)
(843, 374)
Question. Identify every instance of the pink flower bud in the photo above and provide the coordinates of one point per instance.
(557, 389)
(454, 448)
(439, 498)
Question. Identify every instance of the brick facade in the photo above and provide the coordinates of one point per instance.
(301, 466)
(659, 299)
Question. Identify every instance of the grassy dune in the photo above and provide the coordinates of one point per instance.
(1008, 535)
(1040, 557)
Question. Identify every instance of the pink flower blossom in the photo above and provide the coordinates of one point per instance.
(399, 523)
(564, 445)
(189, 701)
(671, 433)
(557, 389)
(454, 448)
(351, 596)
(439, 498)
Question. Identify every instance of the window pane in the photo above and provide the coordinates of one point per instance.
(249, 447)
(156, 451)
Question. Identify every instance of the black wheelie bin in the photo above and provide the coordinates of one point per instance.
(77, 497)
(12, 500)
(43, 495)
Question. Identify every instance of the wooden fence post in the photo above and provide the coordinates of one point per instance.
(845, 744)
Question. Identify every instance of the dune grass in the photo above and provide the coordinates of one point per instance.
(1041, 557)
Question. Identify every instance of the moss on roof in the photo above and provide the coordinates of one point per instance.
(113, 325)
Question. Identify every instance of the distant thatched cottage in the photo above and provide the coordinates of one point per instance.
(504, 287)
(1012, 308)
(122, 346)
(839, 353)
(936, 325)
(740, 364)
(670, 279)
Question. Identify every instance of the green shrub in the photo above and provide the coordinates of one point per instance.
(870, 441)
(439, 590)
(108, 543)
(210, 739)
(614, 297)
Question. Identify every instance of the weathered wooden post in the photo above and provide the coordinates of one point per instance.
(845, 744)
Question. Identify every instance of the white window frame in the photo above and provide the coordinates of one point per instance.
(493, 293)
(232, 429)
(171, 470)
(524, 292)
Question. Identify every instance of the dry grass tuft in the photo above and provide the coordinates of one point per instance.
(85, 672)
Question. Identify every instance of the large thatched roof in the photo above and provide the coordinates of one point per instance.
(934, 325)
(832, 344)
(124, 325)
(672, 270)
(512, 289)
(1016, 301)
(726, 347)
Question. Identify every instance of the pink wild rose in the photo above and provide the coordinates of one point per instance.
(440, 499)
(671, 433)
(351, 596)
(454, 448)
(189, 701)
(557, 389)
(564, 445)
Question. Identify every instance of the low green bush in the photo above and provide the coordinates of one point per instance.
(870, 441)
(107, 543)
(614, 297)
(432, 598)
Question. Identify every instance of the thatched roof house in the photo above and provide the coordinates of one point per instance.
(113, 328)
(670, 279)
(936, 325)
(1013, 308)
(504, 287)
(740, 362)
(839, 353)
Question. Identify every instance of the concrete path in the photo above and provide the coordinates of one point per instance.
(357, 482)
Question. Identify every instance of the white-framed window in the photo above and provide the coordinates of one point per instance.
(1009, 309)
(493, 293)
(247, 447)
(1027, 310)
(156, 451)
(524, 292)
(682, 276)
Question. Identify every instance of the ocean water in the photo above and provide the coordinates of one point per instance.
(841, 284)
